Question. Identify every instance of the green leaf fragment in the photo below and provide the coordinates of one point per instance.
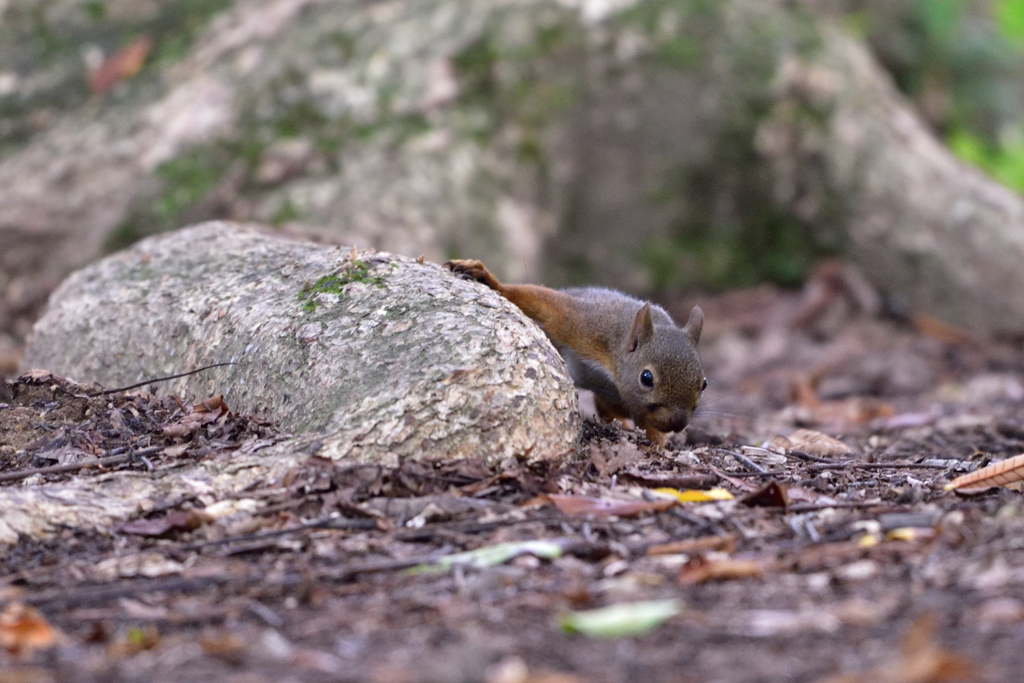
(622, 620)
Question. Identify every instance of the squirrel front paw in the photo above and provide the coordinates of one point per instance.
(473, 270)
(655, 437)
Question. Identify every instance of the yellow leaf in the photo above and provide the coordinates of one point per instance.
(909, 533)
(867, 541)
(696, 496)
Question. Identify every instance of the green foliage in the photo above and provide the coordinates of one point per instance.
(354, 271)
(286, 213)
(42, 41)
(177, 28)
(1009, 16)
(941, 20)
(188, 179)
(95, 9)
(732, 231)
(475, 66)
(760, 242)
(963, 62)
(49, 43)
(517, 82)
(1004, 162)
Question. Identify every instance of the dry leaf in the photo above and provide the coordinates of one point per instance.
(944, 332)
(694, 496)
(856, 410)
(673, 480)
(725, 543)
(1000, 473)
(582, 505)
(701, 570)
(23, 629)
(26, 675)
(911, 533)
(226, 647)
(771, 495)
(138, 639)
(121, 65)
(611, 459)
(214, 404)
(189, 424)
(805, 394)
(513, 669)
(813, 443)
(173, 521)
(36, 376)
(921, 661)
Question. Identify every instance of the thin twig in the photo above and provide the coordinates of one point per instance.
(159, 379)
(81, 465)
(812, 507)
(746, 462)
(801, 455)
(92, 593)
(325, 523)
(765, 473)
(879, 466)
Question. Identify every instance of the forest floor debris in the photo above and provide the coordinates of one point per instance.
(748, 551)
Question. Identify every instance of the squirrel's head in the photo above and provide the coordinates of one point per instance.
(661, 377)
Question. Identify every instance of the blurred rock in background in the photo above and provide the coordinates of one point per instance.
(651, 145)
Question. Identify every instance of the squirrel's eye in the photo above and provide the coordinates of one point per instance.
(647, 379)
(704, 384)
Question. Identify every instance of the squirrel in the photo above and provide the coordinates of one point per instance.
(630, 353)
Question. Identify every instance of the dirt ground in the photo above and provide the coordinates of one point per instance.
(833, 560)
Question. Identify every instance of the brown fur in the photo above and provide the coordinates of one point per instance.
(608, 340)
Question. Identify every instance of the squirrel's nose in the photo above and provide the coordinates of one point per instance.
(680, 419)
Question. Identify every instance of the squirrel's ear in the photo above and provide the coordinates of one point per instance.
(643, 328)
(694, 324)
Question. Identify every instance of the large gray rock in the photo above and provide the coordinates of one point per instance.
(377, 357)
(634, 143)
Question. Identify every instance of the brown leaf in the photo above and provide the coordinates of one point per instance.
(23, 629)
(600, 507)
(944, 332)
(771, 495)
(175, 451)
(36, 376)
(136, 640)
(812, 442)
(798, 494)
(214, 404)
(120, 66)
(701, 570)
(921, 661)
(26, 675)
(189, 424)
(725, 543)
(999, 473)
(673, 480)
(226, 647)
(804, 393)
(610, 460)
(856, 410)
(173, 521)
